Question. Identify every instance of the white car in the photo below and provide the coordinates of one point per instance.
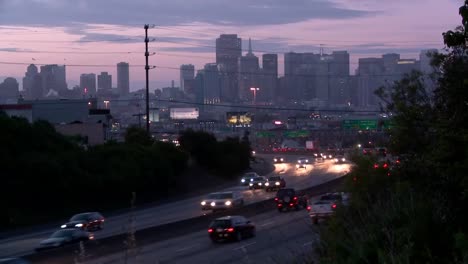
(222, 200)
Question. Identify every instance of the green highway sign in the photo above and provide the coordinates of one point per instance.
(296, 133)
(265, 134)
(365, 124)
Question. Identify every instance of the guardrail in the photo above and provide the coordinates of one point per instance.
(115, 244)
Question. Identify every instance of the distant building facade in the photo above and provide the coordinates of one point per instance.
(88, 84)
(187, 73)
(228, 52)
(123, 78)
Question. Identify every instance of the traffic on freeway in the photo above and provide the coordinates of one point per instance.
(314, 174)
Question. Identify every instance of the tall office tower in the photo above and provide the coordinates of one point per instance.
(104, 81)
(123, 78)
(249, 76)
(32, 83)
(228, 52)
(53, 78)
(88, 84)
(187, 73)
(370, 72)
(339, 78)
(9, 89)
(270, 76)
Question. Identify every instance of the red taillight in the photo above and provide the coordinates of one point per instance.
(398, 161)
(231, 229)
(276, 198)
(279, 205)
(376, 166)
(334, 206)
(291, 204)
(102, 220)
(210, 230)
(295, 198)
(309, 208)
(385, 165)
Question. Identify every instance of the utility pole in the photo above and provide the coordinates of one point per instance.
(147, 67)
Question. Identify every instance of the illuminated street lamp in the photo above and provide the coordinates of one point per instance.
(107, 104)
(254, 90)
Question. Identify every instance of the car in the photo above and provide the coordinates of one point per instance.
(222, 200)
(248, 177)
(63, 237)
(302, 163)
(278, 160)
(227, 228)
(86, 221)
(325, 207)
(319, 159)
(257, 183)
(14, 261)
(287, 198)
(340, 159)
(275, 182)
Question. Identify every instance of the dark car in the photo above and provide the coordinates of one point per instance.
(86, 221)
(275, 182)
(248, 177)
(234, 227)
(257, 183)
(14, 261)
(63, 237)
(287, 198)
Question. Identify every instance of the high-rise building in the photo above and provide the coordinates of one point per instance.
(9, 89)
(32, 83)
(270, 76)
(104, 81)
(53, 79)
(228, 52)
(370, 72)
(292, 62)
(88, 84)
(187, 73)
(249, 76)
(339, 80)
(123, 78)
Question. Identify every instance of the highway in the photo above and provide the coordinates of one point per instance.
(187, 208)
(281, 238)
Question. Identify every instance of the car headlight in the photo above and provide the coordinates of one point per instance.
(299, 161)
(203, 203)
(343, 159)
(267, 184)
(251, 180)
(63, 226)
(228, 203)
(79, 225)
(260, 183)
(336, 160)
(281, 159)
(243, 180)
(275, 160)
(277, 183)
(212, 203)
(307, 160)
(251, 184)
(297, 166)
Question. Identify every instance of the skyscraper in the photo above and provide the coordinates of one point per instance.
(228, 52)
(9, 89)
(248, 75)
(123, 78)
(104, 81)
(270, 76)
(88, 84)
(187, 73)
(53, 78)
(32, 83)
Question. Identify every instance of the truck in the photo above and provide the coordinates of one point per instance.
(325, 207)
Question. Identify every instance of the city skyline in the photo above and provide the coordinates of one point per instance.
(360, 28)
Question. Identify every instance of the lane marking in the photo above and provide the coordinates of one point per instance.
(185, 248)
(244, 246)
(267, 223)
(307, 243)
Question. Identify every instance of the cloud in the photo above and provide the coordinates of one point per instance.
(9, 49)
(171, 12)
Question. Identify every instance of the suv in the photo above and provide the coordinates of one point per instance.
(275, 182)
(257, 183)
(222, 200)
(287, 198)
(248, 177)
(234, 227)
(86, 221)
(302, 163)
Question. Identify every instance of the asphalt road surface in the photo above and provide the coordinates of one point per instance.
(287, 237)
(314, 174)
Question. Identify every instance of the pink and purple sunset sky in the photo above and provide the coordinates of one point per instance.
(84, 33)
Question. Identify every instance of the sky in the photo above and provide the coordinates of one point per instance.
(91, 36)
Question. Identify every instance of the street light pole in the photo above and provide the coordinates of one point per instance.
(254, 90)
(147, 79)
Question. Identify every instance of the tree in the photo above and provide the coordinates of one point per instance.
(137, 135)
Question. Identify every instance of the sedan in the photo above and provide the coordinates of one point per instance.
(278, 159)
(234, 227)
(257, 183)
(86, 221)
(63, 237)
(275, 182)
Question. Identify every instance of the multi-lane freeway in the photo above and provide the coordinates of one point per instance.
(315, 174)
